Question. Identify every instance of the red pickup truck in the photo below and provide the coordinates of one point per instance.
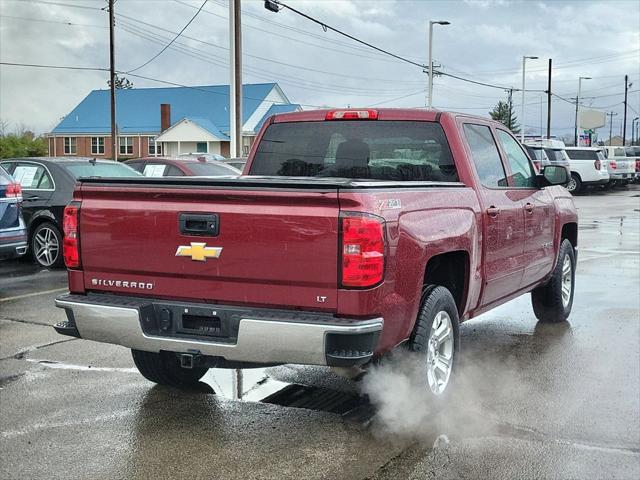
(352, 233)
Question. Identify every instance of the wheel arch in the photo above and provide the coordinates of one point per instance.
(570, 232)
(450, 270)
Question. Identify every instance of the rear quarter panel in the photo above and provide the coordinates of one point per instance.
(429, 222)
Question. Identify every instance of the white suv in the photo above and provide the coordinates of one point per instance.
(622, 169)
(588, 167)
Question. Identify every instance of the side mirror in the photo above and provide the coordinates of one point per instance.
(553, 175)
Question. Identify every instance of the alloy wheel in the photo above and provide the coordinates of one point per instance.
(440, 353)
(47, 246)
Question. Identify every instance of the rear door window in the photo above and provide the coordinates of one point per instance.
(32, 176)
(485, 155)
(522, 172)
(359, 149)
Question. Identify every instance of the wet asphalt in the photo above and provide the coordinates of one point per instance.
(533, 401)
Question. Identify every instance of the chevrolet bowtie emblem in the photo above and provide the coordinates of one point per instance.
(198, 251)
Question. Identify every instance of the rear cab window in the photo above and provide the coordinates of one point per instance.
(356, 149)
(585, 155)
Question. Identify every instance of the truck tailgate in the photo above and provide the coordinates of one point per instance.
(278, 247)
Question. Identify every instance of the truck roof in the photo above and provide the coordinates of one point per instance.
(417, 114)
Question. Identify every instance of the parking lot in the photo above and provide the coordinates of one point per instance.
(555, 401)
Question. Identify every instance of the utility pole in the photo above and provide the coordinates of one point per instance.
(112, 81)
(235, 86)
(611, 115)
(549, 102)
(624, 121)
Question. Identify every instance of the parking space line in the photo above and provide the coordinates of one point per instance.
(26, 295)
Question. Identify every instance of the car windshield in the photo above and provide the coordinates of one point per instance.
(585, 155)
(363, 149)
(100, 169)
(212, 169)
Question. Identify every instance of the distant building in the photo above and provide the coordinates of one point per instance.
(615, 141)
(165, 121)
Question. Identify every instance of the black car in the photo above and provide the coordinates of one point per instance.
(47, 187)
(13, 232)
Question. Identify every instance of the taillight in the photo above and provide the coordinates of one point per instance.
(362, 250)
(367, 114)
(612, 164)
(14, 190)
(71, 244)
(597, 164)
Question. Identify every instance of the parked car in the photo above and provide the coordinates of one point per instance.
(355, 231)
(13, 231)
(178, 167)
(238, 162)
(622, 169)
(538, 156)
(588, 167)
(210, 157)
(634, 152)
(47, 187)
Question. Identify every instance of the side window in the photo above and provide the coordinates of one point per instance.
(172, 171)
(486, 156)
(32, 176)
(522, 173)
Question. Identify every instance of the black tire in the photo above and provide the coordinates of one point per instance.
(51, 258)
(164, 368)
(435, 299)
(575, 184)
(547, 300)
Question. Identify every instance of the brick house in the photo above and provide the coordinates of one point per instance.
(169, 121)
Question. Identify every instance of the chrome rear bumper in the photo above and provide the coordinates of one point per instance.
(262, 337)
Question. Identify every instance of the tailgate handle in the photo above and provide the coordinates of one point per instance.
(199, 224)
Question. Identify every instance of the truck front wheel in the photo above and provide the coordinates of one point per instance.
(164, 368)
(436, 338)
(552, 302)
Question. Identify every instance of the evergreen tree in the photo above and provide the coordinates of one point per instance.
(508, 118)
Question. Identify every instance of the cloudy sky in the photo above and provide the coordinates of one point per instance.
(485, 42)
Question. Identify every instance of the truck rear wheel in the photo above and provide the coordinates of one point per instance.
(552, 302)
(436, 338)
(164, 368)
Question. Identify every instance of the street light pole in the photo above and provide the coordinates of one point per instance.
(235, 85)
(578, 107)
(430, 89)
(112, 82)
(524, 60)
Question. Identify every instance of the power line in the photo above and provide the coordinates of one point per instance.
(173, 40)
(58, 67)
(70, 24)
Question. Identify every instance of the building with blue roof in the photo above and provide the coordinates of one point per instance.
(165, 121)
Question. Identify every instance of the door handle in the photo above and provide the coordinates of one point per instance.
(528, 208)
(493, 211)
